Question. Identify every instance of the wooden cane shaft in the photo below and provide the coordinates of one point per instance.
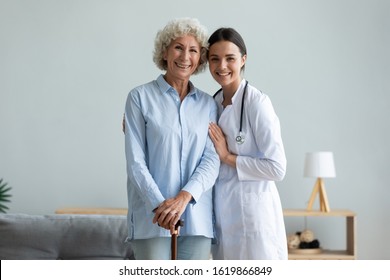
(174, 240)
(174, 247)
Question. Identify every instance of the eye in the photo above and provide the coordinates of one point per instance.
(178, 47)
(194, 50)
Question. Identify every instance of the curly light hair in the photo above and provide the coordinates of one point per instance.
(178, 28)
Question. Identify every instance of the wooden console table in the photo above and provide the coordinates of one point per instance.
(348, 253)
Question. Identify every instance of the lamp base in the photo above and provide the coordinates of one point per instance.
(319, 188)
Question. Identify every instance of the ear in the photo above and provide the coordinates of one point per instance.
(165, 55)
(243, 60)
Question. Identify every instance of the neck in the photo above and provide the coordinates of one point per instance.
(229, 91)
(181, 86)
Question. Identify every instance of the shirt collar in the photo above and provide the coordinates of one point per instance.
(165, 87)
(240, 91)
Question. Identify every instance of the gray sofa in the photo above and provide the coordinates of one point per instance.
(48, 237)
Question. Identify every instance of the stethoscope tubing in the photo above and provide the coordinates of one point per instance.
(239, 138)
(242, 106)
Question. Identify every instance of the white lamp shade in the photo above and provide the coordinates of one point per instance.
(319, 165)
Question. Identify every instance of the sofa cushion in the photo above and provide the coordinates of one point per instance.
(65, 236)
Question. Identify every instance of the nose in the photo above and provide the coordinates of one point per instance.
(185, 54)
(222, 64)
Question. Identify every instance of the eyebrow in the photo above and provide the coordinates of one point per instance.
(227, 55)
(193, 46)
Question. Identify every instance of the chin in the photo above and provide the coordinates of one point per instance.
(223, 81)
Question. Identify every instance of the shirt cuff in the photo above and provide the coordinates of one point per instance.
(194, 189)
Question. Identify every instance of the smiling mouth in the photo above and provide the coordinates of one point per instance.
(223, 74)
(182, 66)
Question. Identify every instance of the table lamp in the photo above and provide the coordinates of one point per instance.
(319, 165)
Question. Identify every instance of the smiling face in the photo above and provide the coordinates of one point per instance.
(182, 57)
(225, 64)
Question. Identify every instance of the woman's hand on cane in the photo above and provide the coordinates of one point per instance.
(168, 213)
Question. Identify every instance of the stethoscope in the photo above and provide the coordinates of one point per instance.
(240, 138)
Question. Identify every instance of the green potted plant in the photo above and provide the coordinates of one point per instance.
(4, 196)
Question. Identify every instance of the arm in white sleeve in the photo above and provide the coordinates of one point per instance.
(269, 163)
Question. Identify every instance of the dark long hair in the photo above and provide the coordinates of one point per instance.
(231, 35)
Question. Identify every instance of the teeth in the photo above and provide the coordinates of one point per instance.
(183, 66)
(223, 74)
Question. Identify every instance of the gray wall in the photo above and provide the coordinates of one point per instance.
(66, 68)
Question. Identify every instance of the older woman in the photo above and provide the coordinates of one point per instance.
(171, 162)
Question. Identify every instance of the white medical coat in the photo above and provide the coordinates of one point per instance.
(248, 211)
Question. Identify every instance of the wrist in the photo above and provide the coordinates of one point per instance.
(230, 159)
(185, 195)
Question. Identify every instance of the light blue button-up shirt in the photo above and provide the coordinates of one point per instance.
(167, 150)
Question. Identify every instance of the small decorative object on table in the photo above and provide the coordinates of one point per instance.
(303, 243)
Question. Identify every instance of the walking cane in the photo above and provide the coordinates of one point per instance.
(179, 223)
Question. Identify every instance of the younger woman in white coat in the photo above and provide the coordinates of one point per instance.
(248, 212)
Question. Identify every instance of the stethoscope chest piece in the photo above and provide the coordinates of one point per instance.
(240, 139)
